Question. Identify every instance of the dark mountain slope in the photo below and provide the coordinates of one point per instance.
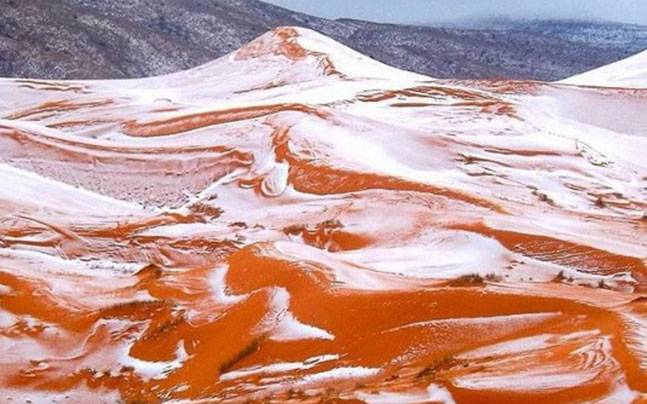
(86, 39)
(629, 38)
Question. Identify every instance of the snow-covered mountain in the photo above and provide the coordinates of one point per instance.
(298, 222)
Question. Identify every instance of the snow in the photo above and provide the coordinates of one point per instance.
(439, 394)
(433, 394)
(438, 254)
(349, 372)
(284, 326)
(6, 319)
(349, 61)
(484, 322)
(278, 367)
(218, 285)
(146, 369)
(26, 190)
(395, 183)
(587, 356)
(627, 73)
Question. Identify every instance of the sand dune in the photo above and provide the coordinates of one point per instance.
(298, 222)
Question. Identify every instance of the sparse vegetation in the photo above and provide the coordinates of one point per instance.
(561, 277)
(247, 350)
(471, 279)
(129, 308)
(475, 279)
(445, 363)
(599, 202)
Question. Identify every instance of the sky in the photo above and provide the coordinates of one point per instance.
(438, 11)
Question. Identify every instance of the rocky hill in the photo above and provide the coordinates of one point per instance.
(84, 39)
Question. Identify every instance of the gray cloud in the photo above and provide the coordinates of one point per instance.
(434, 11)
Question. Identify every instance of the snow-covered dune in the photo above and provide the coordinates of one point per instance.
(626, 73)
(297, 222)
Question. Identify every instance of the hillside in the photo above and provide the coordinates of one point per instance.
(83, 39)
(628, 38)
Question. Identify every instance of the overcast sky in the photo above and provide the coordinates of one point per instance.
(434, 11)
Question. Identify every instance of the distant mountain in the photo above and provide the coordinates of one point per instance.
(85, 39)
(607, 35)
